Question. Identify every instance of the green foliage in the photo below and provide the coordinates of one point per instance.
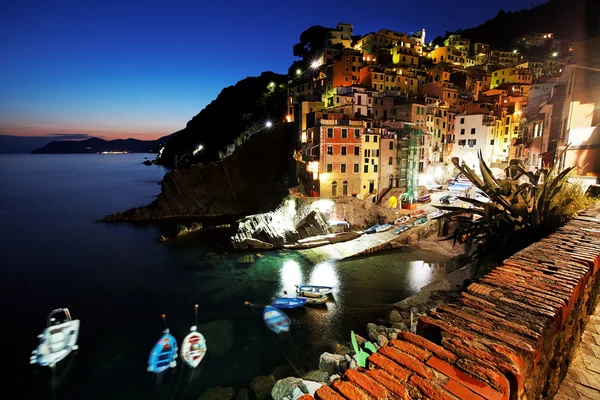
(311, 40)
(534, 202)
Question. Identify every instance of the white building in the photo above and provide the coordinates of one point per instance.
(341, 35)
(473, 133)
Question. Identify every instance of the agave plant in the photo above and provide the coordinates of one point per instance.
(522, 200)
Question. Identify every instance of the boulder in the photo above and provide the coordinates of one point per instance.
(382, 340)
(310, 387)
(218, 393)
(333, 378)
(317, 376)
(284, 388)
(242, 394)
(257, 244)
(343, 350)
(395, 316)
(147, 162)
(330, 362)
(261, 386)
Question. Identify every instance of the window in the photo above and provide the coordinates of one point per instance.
(329, 150)
(391, 161)
(344, 133)
(462, 142)
(343, 168)
(329, 168)
(462, 120)
(391, 145)
(345, 188)
(472, 142)
(333, 188)
(377, 153)
(356, 151)
(366, 160)
(375, 140)
(375, 168)
(473, 130)
(367, 138)
(343, 150)
(330, 133)
(492, 142)
(366, 169)
(356, 168)
(356, 133)
(462, 131)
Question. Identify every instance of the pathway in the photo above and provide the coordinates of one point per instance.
(583, 376)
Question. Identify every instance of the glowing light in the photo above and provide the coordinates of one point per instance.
(436, 46)
(268, 124)
(161, 151)
(298, 72)
(322, 205)
(316, 64)
(313, 166)
(324, 274)
(288, 118)
(200, 147)
(555, 54)
(291, 275)
(272, 85)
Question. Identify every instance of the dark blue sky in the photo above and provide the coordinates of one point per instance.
(144, 68)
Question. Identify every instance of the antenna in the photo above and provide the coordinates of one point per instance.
(196, 310)
(164, 318)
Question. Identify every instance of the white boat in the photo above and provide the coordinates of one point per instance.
(401, 220)
(383, 228)
(435, 214)
(315, 289)
(193, 347)
(313, 298)
(58, 340)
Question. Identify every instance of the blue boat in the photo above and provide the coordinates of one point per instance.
(163, 354)
(401, 229)
(420, 221)
(372, 229)
(288, 302)
(276, 320)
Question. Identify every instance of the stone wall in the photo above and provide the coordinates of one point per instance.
(510, 335)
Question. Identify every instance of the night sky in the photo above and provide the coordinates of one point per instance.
(143, 69)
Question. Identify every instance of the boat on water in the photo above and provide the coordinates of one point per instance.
(313, 298)
(58, 340)
(276, 320)
(383, 228)
(402, 220)
(163, 353)
(417, 213)
(193, 347)
(435, 214)
(420, 221)
(372, 229)
(401, 229)
(315, 289)
(288, 302)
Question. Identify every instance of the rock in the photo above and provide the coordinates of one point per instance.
(343, 350)
(317, 376)
(195, 226)
(218, 335)
(371, 326)
(330, 362)
(147, 162)
(297, 393)
(382, 340)
(257, 244)
(310, 387)
(261, 386)
(373, 334)
(348, 358)
(284, 387)
(242, 394)
(405, 314)
(218, 393)
(333, 378)
(393, 336)
(163, 238)
(395, 316)
(360, 340)
(344, 365)
(181, 230)
(246, 259)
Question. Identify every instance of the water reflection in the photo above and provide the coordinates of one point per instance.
(325, 274)
(291, 275)
(421, 273)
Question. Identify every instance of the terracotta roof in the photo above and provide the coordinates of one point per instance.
(487, 343)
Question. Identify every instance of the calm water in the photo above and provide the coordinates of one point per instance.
(117, 279)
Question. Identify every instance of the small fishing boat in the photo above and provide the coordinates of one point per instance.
(193, 347)
(164, 352)
(402, 220)
(276, 320)
(435, 214)
(426, 198)
(57, 340)
(372, 229)
(383, 228)
(315, 289)
(288, 302)
(417, 214)
(313, 298)
(420, 221)
(448, 199)
(401, 229)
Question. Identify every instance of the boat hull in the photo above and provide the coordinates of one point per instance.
(193, 349)
(163, 354)
(401, 220)
(288, 302)
(56, 343)
(313, 298)
(315, 289)
(383, 228)
(276, 320)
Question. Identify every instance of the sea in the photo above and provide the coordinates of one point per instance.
(118, 279)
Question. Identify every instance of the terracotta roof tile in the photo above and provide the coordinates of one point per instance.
(350, 391)
(390, 383)
(367, 383)
(406, 361)
(411, 349)
(430, 390)
(327, 393)
(389, 366)
(426, 344)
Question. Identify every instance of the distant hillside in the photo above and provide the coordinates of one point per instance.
(13, 144)
(567, 19)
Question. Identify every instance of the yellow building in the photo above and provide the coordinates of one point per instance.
(511, 75)
(449, 55)
(369, 177)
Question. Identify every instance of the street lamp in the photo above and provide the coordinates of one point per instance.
(197, 149)
(555, 54)
(298, 72)
(268, 124)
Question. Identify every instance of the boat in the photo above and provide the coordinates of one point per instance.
(372, 229)
(417, 213)
(164, 352)
(401, 229)
(435, 214)
(420, 221)
(448, 199)
(58, 340)
(313, 298)
(426, 198)
(315, 289)
(193, 347)
(276, 320)
(288, 302)
(383, 228)
(402, 220)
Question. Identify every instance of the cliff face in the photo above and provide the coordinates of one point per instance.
(255, 177)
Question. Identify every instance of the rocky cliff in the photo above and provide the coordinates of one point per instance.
(254, 178)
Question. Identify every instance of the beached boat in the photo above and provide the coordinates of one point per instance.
(313, 298)
(372, 229)
(435, 214)
(402, 220)
(315, 289)
(401, 229)
(164, 353)
(383, 228)
(193, 347)
(417, 213)
(57, 340)
(276, 320)
(288, 302)
(448, 199)
(426, 198)
(420, 221)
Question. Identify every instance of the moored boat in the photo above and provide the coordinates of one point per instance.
(288, 302)
(401, 229)
(417, 213)
(315, 289)
(163, 353)
(435, 214)
(276, 320)
(424, 199)
(313, 298)
(58, 340)
(372, 229)
(401, 220)
(383, 228)
(193, 347)
(420, 221)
